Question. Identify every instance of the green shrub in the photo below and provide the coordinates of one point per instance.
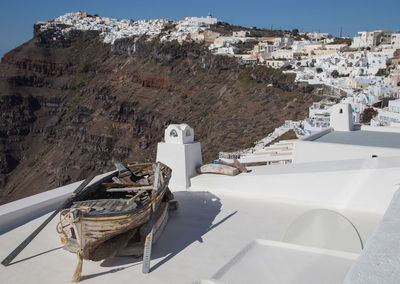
(249, 145)
(368, 114)
(381, 72)
(335, 74)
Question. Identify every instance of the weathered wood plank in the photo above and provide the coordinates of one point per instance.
(135, 189)
(218, 169)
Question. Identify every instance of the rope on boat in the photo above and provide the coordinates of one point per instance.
(79, 253)
(68, 215)
(78, 270)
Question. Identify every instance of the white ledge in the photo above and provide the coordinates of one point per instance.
(19, 212)
(379, 262)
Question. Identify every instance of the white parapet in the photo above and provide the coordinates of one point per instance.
(21, 211)
(181, 153)
(379, 262)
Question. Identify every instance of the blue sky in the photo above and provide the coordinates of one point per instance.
(17, 17)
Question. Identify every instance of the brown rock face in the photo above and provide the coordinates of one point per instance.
(38, 66)
(73, 106)
(155, 82)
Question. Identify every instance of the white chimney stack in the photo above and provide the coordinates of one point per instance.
(181, 153)
(342, 117)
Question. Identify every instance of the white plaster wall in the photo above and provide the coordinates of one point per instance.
(341, 117)
(183, 159)
(19, 212)
(193, 160)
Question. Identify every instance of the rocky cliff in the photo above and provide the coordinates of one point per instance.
(71, 106)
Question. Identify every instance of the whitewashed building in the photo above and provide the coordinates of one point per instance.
(371, 39)
(316, 37)
(276, 64)
(395, 41)
(240, 33)
(228, 50)
(319, 114)
(198, 21)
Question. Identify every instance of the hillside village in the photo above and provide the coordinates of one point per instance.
(364, 72)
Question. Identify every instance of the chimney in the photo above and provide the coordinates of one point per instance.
(342, 117)
(181, 153)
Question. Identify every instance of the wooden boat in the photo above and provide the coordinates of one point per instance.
(107, 218)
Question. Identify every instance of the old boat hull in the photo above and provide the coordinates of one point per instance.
(103, 227)
(95, 230)
(136, 249)
(132, 248)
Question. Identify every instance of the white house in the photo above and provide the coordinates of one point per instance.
(371, 39)
(276, 64)
(317, 36)
(199, 21)
(283, 42)
(395, 42)
(394, 106)
(240, 33)
(228, 50)
(319, 114)
(282, 54)
(386, 117)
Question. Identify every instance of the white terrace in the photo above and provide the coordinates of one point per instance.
(330, 216)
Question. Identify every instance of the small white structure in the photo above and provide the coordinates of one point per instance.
(199, 21)
(240, 33)
(276, 63)
(373, 38)
(394, 106)
(391, 115)
(341, 117)
(395, 42)
(317, 36)
(320, 114)
(227, 50)
(181, 153)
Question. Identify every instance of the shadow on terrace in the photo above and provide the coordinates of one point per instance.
(193, 219)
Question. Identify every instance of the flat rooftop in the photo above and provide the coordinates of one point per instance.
(201, 237)
(363, 138)
(231, 229)
(217, 218)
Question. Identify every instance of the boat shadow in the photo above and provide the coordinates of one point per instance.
(36, 255)
(193, 219)
(114, 270)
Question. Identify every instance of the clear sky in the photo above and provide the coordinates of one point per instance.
(18, 16)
